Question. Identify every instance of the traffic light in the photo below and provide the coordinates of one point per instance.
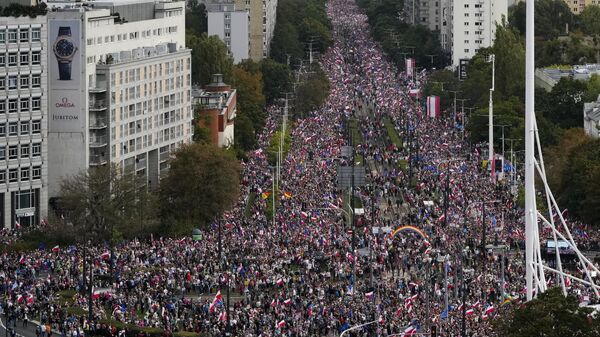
(434, 331)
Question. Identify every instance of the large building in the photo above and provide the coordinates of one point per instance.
(577, 6)
(468, 25)
(23, 121)
(423, 12)
(231, 26)
(262, 24)
(119, 87)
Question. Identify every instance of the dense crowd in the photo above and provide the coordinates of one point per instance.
(310, 272)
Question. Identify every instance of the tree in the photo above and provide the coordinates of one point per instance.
(590, 20)
(202, 126)
(196, 20)
(244, 136)
(442, 79)
(557, 157)
(203, 182)
(552, 18)
(564, 105)
(250, 98)
(105, 200)
(209, 56)
(551, 314)
(277, 79)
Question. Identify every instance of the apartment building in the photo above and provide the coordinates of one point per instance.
(577, 6)
(423, 12)
(23, 121)
(262, 24)
(468, 25)
(119, 87)
(231, 26)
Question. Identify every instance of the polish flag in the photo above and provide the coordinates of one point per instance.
(280, 282)
(476, 305)
(281, 324)
(381, 320)
(20, 298)
(29, 299)
(304, 215)
(287, 302)
(22, 260)
(489, 310)
(567, 282)
(460, 307)
(105, 255)
(56, 249)
(17, 225)
(350, 257)
(369, 295)
(411, 330)
(412, 284)
(470, 312)
(399, 312)
(222, 316)
(441, 218)
(428, 251)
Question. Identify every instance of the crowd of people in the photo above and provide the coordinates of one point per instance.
(311, 271)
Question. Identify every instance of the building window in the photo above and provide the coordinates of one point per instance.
(12, 35)
(24, 59)
(12, 82)
(2, 130)
(24, 82)
(13, 128)
(2, 177)
(36, 57)
(466, 50)
(13, 175)
(36, 102)
(24, 128)
(36, 34)
(2, 36)
(12, 105)
(2, 106)
(36, 149)
(24, 150)
(36, 172)
(12, 59)
(13, 152)
(24, 35)
(24, 104)
(2, 85)
(36, 126)
(2, 60)
(25, 198)
(36, 80)
(2, 152)
(25, 174)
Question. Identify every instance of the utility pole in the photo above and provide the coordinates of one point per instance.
(503, 126)
(462, 114)
(454, 116)
(492, 59)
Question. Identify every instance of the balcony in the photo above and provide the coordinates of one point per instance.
(98, 123)
(164, 156)
(98, 141)
(98, 160)
(99, 88)
(97, 106)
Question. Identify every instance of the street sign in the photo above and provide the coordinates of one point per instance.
(345, 173)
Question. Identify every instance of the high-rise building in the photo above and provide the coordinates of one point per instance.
(231, 26)
(423, 12)
(23, 121)
(468, 25)
(119, 87)
(262, 24)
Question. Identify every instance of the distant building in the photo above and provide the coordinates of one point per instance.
(467, 26)
(231, 26)
(423, 12)
(119, 79)
(577, 6)
(547, 78)
(23, 120)
(591, 118)
(262, 24)
(217, 101)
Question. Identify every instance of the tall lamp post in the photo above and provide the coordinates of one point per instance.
(492, 59)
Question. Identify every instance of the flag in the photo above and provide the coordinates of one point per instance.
(22, 260)
(56, 249)
(310, 310)
(410, 331)
(280, 282)
(490, 309)
(265, 195)
(287, 302)
(287, 195)
(223, 316)
(20, 298)
(470, 312)
(17, 225)
(369, 295)
(105, 255)
(29, 299)
(281, 324)
(304, 215)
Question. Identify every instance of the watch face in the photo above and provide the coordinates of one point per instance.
(64, 48)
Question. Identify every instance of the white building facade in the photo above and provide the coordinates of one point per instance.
(231, 26)
(120, 87)
(468, 25)
(23, 121)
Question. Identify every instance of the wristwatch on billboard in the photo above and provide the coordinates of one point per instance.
(64, 49)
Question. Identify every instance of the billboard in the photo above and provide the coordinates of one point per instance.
(64, 77)
(462, 69)
(410, 68)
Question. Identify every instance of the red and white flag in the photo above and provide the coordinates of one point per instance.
(56, 249)
(105, 255)
(281, 324)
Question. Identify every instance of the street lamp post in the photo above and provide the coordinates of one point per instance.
(492, 59)
(447, 188)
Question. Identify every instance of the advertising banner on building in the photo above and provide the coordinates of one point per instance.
(433, 106)
(410, 68)
(64, 76)
(462, 69)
